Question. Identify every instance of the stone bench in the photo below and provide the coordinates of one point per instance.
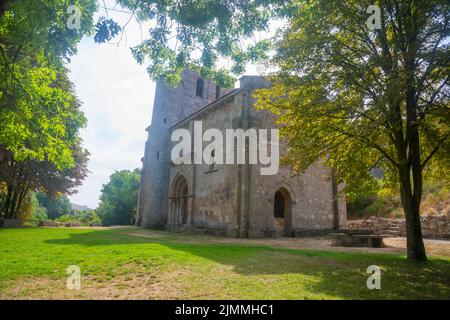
(357, 240)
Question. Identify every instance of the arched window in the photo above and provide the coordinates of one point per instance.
(217, 92)
(282, 206)
(184, 205)
(279, 205)
(213, 154)
(199, 89)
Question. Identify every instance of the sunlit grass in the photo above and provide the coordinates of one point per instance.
(113, 264)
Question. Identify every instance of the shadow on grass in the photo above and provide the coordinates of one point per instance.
(337, 274)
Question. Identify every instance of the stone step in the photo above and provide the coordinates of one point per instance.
(394, 224)
(392, 233)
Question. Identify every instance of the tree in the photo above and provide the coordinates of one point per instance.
(89, 216)
(197, 34)
(39, 212)
(34, 90)
(55, 206)
(118, 200)
(24, 176)
(361, 99)
(56, 163)
(40, 148)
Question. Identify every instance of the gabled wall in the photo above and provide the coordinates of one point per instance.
(171, 105)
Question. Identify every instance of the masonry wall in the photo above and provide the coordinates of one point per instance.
(311, 195)
(236, 200)
(433, 226)
(171, 105)
(214, 204)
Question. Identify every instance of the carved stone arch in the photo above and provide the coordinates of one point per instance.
(282, 209)
(288, 187)
(175, 183)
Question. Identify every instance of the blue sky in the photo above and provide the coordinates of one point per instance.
(117, 96)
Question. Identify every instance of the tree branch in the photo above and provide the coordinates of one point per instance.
(432, 153)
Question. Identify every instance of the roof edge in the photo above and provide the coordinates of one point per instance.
(226, 96)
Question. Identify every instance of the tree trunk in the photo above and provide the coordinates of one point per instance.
(12, 207)
(411, 190)
(20, 201)
(411, 206)
(7, 204)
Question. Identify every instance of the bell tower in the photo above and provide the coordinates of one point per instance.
(171, 105)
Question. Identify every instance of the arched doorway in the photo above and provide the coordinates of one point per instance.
(282, 212)
(179, 198)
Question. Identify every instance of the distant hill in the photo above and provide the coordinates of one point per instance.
(77, 207)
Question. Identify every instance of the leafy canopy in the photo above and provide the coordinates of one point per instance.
(118, 201)
(197, 33)
(38, 109)
(40, 114)
(340, 89)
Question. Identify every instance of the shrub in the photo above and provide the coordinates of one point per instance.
(66, 218)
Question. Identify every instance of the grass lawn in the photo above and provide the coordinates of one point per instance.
(115, 264)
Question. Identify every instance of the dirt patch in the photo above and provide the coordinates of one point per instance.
(130, 286)
(120, 287)
(397, 245)
(153, 235)
(130, 281)
(434, 248)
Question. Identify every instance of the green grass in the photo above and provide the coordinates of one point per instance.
(117, 265)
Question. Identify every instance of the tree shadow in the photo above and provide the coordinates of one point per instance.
(339, 274)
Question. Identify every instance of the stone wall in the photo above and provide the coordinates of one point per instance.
(7, 223)
(315, 200)
(435, 226)
(171, 105)
(212, 190)
(48, 223)
(237, 200)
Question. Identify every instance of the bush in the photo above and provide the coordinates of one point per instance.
(118, 201)
(83, 217)
(38, 212)
(65, 218)
(375, 199)
(88, 217)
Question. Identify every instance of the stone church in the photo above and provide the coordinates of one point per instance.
(224, 199)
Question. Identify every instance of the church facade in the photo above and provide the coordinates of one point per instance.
(234, 200)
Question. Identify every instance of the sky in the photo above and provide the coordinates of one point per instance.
(117, 96)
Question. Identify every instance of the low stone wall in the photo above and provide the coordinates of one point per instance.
(435, 226)
(8, 223)
(48, 223)
(71, 224)
(377, 225)
(95, 224)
